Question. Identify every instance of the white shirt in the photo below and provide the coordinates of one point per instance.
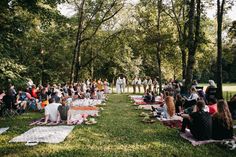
(139, 82)
(193, 96)
(145, 82)
(150, 82)
(134, 82)
(51, 110)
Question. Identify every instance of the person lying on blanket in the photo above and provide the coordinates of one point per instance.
(51, 111)
(199, 122)
(222, 127)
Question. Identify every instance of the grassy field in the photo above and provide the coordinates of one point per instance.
(119, 132)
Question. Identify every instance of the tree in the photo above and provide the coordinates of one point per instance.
(193, 39)
(220, 13)
(91, 15)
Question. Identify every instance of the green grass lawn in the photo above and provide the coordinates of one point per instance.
(119, 132)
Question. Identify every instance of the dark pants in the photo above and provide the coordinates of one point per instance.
(190, 103)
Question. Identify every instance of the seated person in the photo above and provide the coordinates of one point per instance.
(178, 103)
(51, 112)
(192, 99)
(62, 111)
(148, 96)
(222, 122)
(21, 100)
(212, 106)
(210, 90)
(56, 97)
(169, 109)
(2, 94)
(199, 122)
(232, 106)
(87, 95)
(9, 100)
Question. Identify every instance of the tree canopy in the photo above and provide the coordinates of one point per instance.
(107, 37)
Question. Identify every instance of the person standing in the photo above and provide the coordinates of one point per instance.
(155, 83)
(150, 84)
(123, 84)
(106, 86)
(134, 82)
(139, 83)
(145, 83)
(118, 85)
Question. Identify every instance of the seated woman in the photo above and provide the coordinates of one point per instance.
(178, 103)
(192, 99)
(210, 90)
(169, 109)
(199, 122)
(62, 111)
(212, 105)
(222, 126)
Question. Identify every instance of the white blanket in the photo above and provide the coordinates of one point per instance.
(86, 102)
(2, 130)
(47, 134)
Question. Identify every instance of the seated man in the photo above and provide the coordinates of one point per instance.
(51, 112)
(199, 122)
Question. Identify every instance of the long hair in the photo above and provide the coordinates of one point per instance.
(170, 105)
(224, 113)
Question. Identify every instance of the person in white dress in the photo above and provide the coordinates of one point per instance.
(123, 84)
(118, 85)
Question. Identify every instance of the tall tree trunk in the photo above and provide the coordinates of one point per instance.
(184, 61)
(191, 59)
(75, 67)
(193, 40)
(183, 42)
(220, 11)
(158, 44)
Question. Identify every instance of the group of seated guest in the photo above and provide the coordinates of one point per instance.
(203, 126)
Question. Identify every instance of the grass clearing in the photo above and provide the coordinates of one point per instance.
(119, 132)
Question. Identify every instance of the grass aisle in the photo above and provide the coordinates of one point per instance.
(118, 132)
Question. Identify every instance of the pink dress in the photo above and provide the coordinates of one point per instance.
(106, 87)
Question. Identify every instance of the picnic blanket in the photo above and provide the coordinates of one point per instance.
(85, 110)
(2, 130)
(173, 123)
(86, 102)
(148, 103)
(188, 136)
(47, 134)
(148, 107)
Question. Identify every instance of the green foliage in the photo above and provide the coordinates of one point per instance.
(11, 72)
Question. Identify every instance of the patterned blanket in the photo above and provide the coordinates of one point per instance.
(188, 136)
(47, 134)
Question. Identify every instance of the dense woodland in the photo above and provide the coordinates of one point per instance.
(105, 38)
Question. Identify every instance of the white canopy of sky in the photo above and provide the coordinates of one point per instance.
(69, 10)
